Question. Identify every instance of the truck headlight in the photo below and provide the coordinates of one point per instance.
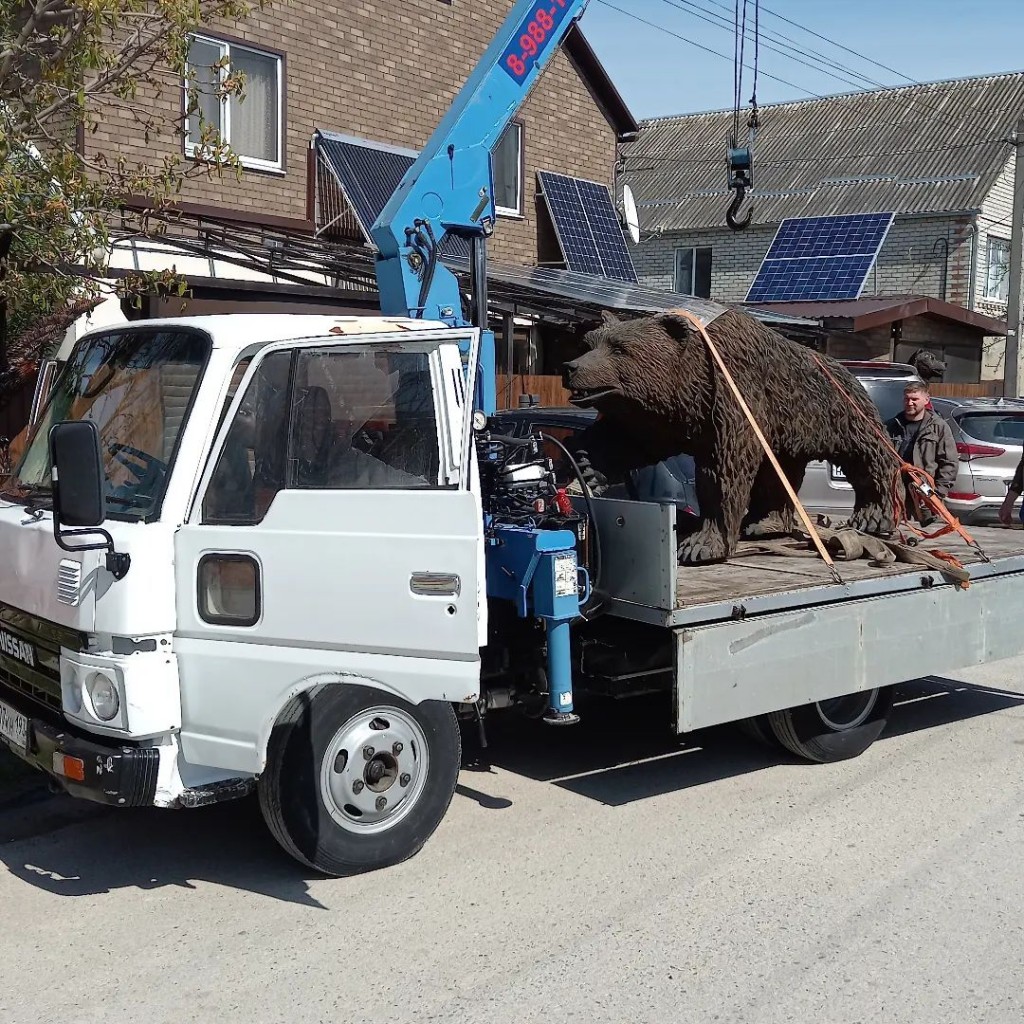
(103, 696)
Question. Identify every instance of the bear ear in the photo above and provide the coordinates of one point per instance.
(676, 326)
(608, 317)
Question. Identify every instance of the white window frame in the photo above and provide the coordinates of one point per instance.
(677, 259)
(991, 241)
(504, 211)
(253, 163)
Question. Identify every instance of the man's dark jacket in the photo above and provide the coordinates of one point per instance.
(934, 449)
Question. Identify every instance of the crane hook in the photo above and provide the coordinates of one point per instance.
(734, 207)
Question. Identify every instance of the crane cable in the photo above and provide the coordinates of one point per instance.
(740, 159)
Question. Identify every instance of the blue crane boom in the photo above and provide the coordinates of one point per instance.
(450, 186)
(449, 189)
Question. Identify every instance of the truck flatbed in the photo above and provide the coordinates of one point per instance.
(645, 584)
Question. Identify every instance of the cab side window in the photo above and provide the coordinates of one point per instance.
(364, 418)
(252, 465)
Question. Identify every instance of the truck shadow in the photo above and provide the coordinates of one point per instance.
(624, 752)
(937, 700)
(619, 753)
(87, 850)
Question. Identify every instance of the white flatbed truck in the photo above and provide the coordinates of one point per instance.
(287, 554)
(303, 611)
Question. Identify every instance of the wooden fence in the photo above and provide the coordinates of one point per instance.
(548, 389)
(551, 392)
(986, 389)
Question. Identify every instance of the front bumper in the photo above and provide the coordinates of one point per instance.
(114, 773)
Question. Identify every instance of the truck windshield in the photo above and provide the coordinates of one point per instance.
(136, 385)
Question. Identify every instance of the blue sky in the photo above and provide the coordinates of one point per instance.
(924, 40)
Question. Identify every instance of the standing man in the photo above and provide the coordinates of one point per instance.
(923, 439)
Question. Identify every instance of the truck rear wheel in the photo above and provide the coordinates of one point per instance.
(759, 730)
(358, 779)
(836, 729)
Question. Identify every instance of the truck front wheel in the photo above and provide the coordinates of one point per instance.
(836, 729)
(358, 779)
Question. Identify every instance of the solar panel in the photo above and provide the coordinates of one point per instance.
(368, 174)
(816, 258)
(587, 226)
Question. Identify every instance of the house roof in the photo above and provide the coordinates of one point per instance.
(934, 148)
(596, 79)
(878, 310)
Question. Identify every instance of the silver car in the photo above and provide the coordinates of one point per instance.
(825, 489)
(989, 435)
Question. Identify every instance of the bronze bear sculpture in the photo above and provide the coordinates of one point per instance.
(928, 365)
(658, 394)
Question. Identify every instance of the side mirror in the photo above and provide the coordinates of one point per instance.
(77, 477)
(77, 474)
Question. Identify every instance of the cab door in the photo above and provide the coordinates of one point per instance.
(334, 537)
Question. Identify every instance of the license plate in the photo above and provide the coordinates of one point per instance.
(13, 727)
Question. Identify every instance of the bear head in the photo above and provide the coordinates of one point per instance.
(652, 364)
(928, 365)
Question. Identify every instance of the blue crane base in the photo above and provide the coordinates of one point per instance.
(537, 571)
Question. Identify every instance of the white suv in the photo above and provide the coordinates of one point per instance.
(825, 489)
(989, 435)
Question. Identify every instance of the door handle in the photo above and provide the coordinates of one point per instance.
(435, 584)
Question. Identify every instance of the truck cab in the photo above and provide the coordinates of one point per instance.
(294, 505)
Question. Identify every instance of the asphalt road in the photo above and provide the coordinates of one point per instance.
(608, 873)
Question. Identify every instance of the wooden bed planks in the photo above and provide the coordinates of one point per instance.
(755, 575)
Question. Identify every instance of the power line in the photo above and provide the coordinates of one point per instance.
(769, 163)
(693, 8)
(914, 100)
(784, 39)
(855, 53)
(702, 13)
(707, 49)
(995, 223)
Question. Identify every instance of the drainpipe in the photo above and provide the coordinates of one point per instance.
(945, 264)
(972, 273)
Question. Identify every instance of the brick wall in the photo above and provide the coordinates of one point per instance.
(385, 70)
(735, 258)
(913, 259)
(875, 344)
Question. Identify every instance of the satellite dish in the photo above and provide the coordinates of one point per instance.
(630, 220)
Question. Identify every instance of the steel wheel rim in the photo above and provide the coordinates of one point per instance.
(374, 770)
(841, 714)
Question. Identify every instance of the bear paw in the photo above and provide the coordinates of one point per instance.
(872, 519)
(706, 544)
(772, 525)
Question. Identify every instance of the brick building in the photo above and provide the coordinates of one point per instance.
(381, 73)
(936, 155)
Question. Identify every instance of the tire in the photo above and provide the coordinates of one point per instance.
(321, 791)
(834, 730)
(759, 730)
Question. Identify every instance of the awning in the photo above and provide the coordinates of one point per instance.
(880, 310)
(570, 297)
(202, 247)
